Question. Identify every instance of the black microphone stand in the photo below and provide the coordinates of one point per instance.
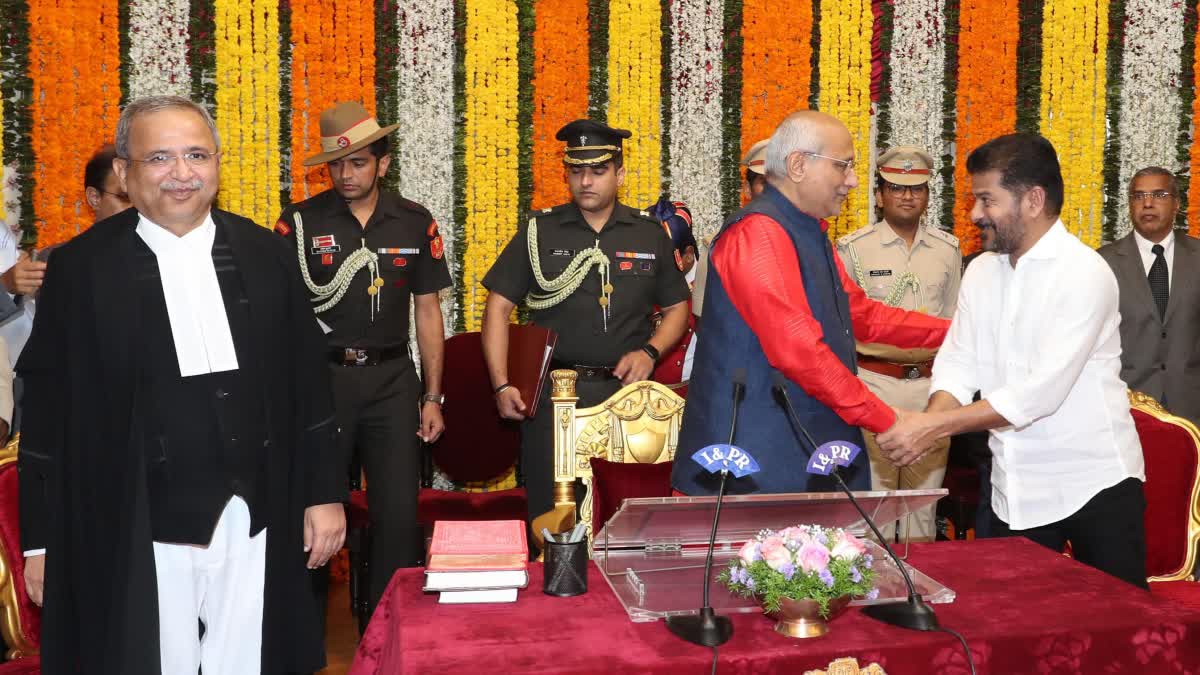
(912, 613)
(707, 628)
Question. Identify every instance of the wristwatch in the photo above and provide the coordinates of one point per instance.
(439, 399)
(651, 351)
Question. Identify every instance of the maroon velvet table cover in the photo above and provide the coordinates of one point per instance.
(1022, 608)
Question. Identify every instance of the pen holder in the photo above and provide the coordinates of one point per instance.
(565, 570)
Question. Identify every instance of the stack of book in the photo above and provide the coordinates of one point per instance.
(477, 561)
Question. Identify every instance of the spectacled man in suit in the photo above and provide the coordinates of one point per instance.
(1158, 273)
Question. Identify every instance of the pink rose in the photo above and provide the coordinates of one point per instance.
(749, 552)
(798, 534)
(775, 553)
(847, 546)
(813, 557)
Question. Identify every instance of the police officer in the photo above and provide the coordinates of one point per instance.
(905, 264)
(364, 252)
(754, 176)
(592, 271)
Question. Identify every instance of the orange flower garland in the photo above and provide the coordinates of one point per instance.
(73, 112)
(333, 60)
(987, 94)
(776, 65)
(560, 93)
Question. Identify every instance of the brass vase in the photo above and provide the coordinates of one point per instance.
(802, 618)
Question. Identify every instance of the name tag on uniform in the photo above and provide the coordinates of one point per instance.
(568, 252)
(880, 273)
(325, 244)
(399, 251)
(635, 256)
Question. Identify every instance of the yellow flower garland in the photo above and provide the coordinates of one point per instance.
(1074, 78)
(248, 107)
(634, 98)
(490, 144)
(845, 93)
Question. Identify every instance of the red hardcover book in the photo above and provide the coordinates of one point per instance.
(477, 545)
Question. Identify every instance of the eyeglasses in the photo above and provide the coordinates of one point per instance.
(1157, 195)
(119, 195)
(846, 164)
(895, 189)
(161, 160)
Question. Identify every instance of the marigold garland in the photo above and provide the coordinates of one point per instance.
(634, 96)
(560, 67)
(333, 61)
(72, 114)
(490, 144)
(1193, 210)
(247, 63)
(776, 65)
(987, 93)
(845, 93)
(1074, 67)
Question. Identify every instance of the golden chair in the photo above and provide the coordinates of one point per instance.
(1171, 447)
(637, 425)
(20, 619)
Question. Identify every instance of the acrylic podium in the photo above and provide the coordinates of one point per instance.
(652, 550)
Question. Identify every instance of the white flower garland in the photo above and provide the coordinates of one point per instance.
(424, 153)
(158, 36)
(917, 83)
(10, 192)
(1150, 103)
(695, 119)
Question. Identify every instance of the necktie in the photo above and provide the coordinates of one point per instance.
(1158, 281)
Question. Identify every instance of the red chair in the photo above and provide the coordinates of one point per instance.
(478, 446)
(1171, 446)
(20, 620)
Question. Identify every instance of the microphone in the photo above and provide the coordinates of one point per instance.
(706, 628)
(912, 613)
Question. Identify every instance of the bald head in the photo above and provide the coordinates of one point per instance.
(810, 159)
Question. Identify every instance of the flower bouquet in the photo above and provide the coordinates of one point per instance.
(804, 575)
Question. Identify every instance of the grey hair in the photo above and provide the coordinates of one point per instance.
(1157, 171)
(796, 133)
(153, 104)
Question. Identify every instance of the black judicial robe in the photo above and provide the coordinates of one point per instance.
(83, 465)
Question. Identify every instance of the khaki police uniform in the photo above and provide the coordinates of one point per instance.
(923, 278)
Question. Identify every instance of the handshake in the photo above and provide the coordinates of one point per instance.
(910, 436)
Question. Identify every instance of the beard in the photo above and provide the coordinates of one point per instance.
(1002, 236)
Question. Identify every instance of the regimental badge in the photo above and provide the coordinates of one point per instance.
(626, 266)
(436, 248)
(282, 228)
(433, 229)
(327, 259)
(583, 140)
(907, 166)
(399, 262)
(678, 260)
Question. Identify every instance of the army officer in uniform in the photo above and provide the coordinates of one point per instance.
(364, 252)
(904, 263)
(592, 271)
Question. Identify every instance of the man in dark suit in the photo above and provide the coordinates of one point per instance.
(1158, 272)
(177, 462)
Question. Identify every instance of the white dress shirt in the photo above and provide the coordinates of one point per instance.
(1040, 342)
(199, 326)
(1145, 248)
(690, 354)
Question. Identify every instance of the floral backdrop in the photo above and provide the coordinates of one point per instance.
(479, 88)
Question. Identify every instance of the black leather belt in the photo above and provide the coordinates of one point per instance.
(590, 372)
(351, 357)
